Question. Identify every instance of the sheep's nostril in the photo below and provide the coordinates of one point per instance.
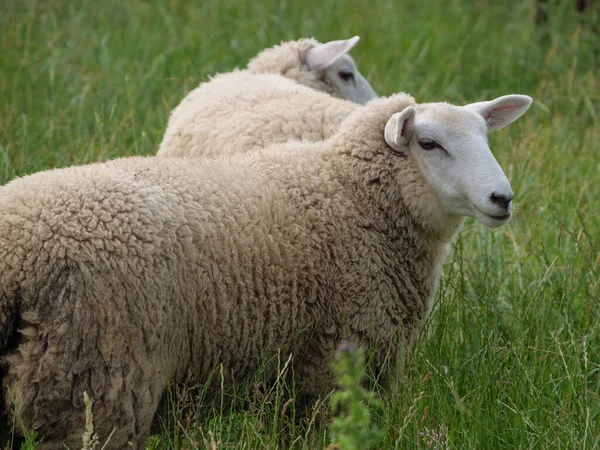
(501, 200)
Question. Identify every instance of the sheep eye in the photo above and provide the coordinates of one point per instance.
(429, 144)
(346, 76)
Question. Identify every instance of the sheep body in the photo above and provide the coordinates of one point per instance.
(241, 111)
(123, 274)
(276, 99)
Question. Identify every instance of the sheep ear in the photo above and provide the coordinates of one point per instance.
(399, 129)
(324, 55)
(502, 111)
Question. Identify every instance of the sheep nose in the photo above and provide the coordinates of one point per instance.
(501, 200)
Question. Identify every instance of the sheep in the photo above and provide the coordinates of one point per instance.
(323, 67)
(291, 91)
(239, 112)
(118, 277)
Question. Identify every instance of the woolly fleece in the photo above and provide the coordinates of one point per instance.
(121, 274)
(239, 112)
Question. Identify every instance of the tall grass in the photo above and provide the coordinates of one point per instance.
(510, 357)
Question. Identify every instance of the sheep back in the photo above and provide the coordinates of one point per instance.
(240, 112)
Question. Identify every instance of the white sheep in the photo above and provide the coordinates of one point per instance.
(323, 67)
(291, 91)
(117, 277)
(239, 112)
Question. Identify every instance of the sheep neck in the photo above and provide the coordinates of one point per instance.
(376, 191)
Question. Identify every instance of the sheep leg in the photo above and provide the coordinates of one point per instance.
(49, 398)
(314, 375)
(65, 348)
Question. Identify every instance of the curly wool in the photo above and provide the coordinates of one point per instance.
(239, 112)
(275, 100)
(123, 275)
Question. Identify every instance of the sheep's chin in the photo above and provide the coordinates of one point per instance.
(488, 220)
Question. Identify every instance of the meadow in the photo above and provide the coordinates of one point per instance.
(510, 357)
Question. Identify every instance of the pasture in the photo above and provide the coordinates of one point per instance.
(510, 357)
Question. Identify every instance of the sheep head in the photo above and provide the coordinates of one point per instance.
(449, 145)
(339, 69)
(324, 67)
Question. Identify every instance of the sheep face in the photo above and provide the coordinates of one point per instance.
(339, 70)
(449, 145)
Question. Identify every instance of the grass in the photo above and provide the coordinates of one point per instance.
(510, 357)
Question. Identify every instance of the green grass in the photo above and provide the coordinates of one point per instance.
(510, 357)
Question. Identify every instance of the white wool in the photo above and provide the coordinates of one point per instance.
(295, 90)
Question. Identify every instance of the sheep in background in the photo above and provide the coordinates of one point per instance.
(323, 67)
(239, 112)
(117, 277)
(291, 91)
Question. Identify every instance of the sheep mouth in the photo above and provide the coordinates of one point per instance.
(501, 217)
